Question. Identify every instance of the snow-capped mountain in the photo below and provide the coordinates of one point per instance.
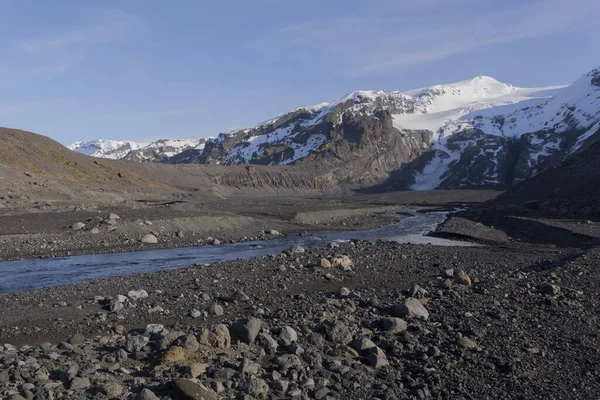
(474, 133)
(113, 149)
(129, 150)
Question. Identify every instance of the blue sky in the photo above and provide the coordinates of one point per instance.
(142, 70)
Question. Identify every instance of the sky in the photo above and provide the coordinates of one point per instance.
(147, 69)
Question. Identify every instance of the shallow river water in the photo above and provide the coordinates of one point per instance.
(28, 274)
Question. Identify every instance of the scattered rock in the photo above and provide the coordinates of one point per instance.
(77, 226)
(137, 294)
(394, 325)
(111, 389)
(297, 249)
(462, 277)
(411, 307)
(324, 263)
(218, 337)
(147, 394)
(343, 263)
(136, 343)
(246, 330)
(216, 310)
(149, 239)
(340, 333)
(467, 343)
(194, 390)
(197, 369)
(288, 336)
(78, 383)
(549, 288)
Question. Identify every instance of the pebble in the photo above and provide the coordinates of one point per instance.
(394, 325)
(137, 294)
(288, 336)
(411, 307)
(194, 390)
(215, 310)
(246, 330)
(149, 239)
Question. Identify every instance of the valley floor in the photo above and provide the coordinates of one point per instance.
(516, 318)
(46, 230)
(526, 327)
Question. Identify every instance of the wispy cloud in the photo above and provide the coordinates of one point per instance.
(29, 58)
(385, 39)
(104, 32)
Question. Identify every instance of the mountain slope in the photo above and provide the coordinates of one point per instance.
(135, 151)
(474, 133)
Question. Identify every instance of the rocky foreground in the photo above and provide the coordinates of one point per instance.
(364, 321)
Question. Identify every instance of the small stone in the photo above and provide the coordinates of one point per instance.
(462, 277)
(189, 343)
(77, 339)
(175, 354)
(467, 343)
(376, 358)
(155, 309)
(288, 336)
(345, 292)
(246, 330)
(394, 325)
(112, 389)
(155, 329)
(297, 249)
(551, 289)
(411, 307)
(136, 343)
(363, 344)
(197, 369)
(340, 333)
(79, 383)
(149, 239)
(268, 343)
(239, 296)
(325, 263)
(249, 367)
(256, 387)
(77, 226)
(218, 337)
(215, 310)
(137, 294)
(195, 313)
(147, 394)
(194, 390)
(343, 262)
(280, 385)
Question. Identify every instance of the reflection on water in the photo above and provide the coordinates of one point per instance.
(36, 273)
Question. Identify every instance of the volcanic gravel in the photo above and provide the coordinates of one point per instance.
(387, 321)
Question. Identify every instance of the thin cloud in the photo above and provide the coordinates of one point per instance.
(380, 41)
(106, 32)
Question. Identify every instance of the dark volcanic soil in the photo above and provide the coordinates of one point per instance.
(514, 319)
(531, 318)
(46, 230)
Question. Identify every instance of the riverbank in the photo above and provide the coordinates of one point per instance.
(48, 231)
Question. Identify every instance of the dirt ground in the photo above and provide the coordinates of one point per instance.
(46, 231)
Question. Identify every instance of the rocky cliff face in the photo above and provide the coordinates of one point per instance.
(478, 133)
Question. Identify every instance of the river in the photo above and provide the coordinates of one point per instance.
(16, 276)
